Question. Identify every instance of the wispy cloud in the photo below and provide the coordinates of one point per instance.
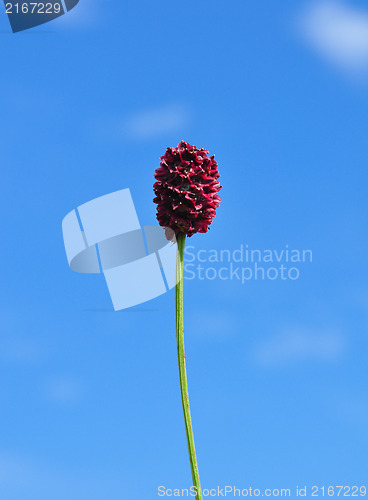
(157, 122)
(339, 32)
(300, 345)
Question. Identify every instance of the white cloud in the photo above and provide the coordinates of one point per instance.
(339, 32)
(300, 345)
(157, 122)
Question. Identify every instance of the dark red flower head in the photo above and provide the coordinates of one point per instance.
(186, 189)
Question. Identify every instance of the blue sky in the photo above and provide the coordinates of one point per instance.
(89, 397)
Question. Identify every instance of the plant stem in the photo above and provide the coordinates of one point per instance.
(181, 360)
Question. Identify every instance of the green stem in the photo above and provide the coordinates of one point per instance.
(181, 360)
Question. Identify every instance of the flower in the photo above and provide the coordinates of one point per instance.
(186, 190)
